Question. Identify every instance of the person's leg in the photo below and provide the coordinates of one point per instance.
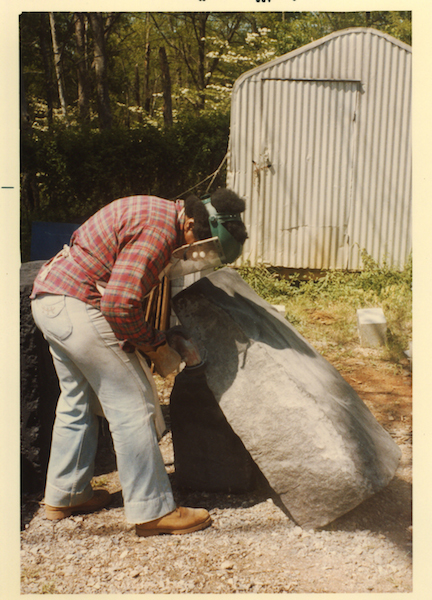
(83, 336)
(75, 431)
(126, 397)
(74, 439)
(88, 359)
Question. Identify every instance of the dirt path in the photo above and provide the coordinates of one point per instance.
(252, 546)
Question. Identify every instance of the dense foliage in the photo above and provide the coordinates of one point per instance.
(77, 172)
(205, 53)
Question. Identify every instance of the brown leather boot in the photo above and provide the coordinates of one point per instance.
(180, 520)
(99, 500)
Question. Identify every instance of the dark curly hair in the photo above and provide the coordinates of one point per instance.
(225, 201)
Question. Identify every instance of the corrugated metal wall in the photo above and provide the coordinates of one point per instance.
(320, 147)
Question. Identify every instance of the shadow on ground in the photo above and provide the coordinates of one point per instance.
(387, 513)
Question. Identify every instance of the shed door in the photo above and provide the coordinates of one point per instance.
(304, 172)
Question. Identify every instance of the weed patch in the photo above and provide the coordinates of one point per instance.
(324, 309)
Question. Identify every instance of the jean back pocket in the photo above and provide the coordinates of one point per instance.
(56, 319)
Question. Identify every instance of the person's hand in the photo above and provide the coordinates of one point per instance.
(165, 359)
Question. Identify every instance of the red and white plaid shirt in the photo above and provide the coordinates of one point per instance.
(126, 245)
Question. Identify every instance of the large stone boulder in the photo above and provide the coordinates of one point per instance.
(318, 445)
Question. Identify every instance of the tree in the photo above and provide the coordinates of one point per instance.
(45, 54)
(191, 38)
(166, 86)
(83, 76)
(100, 66)
(110, 64)
(58, 66)
(147, 94)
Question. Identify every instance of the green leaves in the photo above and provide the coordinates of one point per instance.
(206, 53)
(78, 171)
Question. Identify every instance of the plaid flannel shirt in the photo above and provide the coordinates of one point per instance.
(125, 245)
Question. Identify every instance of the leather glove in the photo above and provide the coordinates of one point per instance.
(165, 359)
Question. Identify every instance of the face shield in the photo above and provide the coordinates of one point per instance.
(199, 256)
(221, 249)
(231, 248)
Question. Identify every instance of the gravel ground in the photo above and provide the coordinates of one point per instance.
(252, 546)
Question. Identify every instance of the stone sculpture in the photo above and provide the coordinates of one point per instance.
(312, 437)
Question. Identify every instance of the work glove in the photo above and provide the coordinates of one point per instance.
(165, 359)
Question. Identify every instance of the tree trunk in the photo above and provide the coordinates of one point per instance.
(44, 48)
(25, 124)
(147, 97)
(100, 66)
(29, 197)
(201, 31)
(127, 111)
(58, 67)
(82, 68)
(166, 87)
(138, 93)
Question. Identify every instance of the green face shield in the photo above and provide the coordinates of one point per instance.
(231, 248)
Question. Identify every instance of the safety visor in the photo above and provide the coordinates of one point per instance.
(199, 256)
(231, 248)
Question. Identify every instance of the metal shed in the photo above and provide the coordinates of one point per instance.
(320, 148)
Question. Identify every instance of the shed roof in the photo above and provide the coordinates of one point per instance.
(315, 44)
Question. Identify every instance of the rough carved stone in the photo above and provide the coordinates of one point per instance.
(318, 445)
(39, 390)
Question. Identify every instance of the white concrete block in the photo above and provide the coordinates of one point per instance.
(372, 326)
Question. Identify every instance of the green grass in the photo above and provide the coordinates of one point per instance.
(100, 481)
(35, 575)
(324, 309)
(49, 588)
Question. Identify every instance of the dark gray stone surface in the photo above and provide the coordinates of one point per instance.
(208, 455)
(39, 390)
(318, 445)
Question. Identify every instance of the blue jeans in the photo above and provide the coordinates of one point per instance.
(94, 373)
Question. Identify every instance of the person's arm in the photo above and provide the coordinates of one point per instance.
(135, 273)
